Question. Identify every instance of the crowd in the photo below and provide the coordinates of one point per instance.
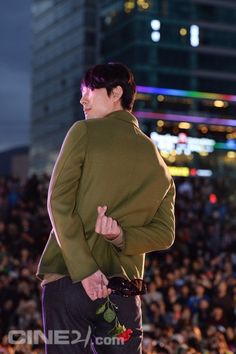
(190, 306)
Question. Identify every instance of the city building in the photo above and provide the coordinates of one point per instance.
(182, 44)
(181, 51)
(64, 44)
(183, 55)
(15, 163)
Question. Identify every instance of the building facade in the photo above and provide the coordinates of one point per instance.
(65, 43)
(15, 163)
(182, 53)
(182, 44)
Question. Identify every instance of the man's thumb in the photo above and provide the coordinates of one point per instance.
(102, 210)
(104, 280)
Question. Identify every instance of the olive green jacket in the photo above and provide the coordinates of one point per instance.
(107, 161)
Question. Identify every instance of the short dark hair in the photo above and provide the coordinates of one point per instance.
(109, 76)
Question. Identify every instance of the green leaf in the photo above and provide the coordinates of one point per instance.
(109, 315)
(118, 330)
(101, 309)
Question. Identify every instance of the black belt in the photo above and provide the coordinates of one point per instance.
(126, 288)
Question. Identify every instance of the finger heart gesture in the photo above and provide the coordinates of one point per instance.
(105, 225)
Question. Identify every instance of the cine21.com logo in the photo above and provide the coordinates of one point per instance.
(59, 337)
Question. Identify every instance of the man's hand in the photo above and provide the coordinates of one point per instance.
(106, 226)
(95, 285)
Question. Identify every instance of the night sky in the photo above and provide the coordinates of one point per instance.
(15, 52)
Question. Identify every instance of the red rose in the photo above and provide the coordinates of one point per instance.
(125, 335)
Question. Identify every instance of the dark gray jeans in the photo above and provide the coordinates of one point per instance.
(70, 316)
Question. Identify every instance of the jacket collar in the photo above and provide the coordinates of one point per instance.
(125, 116)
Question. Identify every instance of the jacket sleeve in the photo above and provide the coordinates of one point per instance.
(158, 235)
(62, 209)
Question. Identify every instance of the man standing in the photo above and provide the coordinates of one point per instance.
(110, 201)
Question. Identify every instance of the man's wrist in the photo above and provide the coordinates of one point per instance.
(114, 238)
(118, 240)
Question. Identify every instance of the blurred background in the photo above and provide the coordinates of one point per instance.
(182, 53)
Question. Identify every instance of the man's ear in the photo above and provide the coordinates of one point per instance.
(117, 93)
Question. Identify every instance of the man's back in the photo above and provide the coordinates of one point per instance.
(120, 168)
(110, 201)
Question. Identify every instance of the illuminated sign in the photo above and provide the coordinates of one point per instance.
(155, 35)
(185, 93)
(182, 144)
(179, 171)
(228, 145)
(194, 36)
(185, 118)
(186, 172)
